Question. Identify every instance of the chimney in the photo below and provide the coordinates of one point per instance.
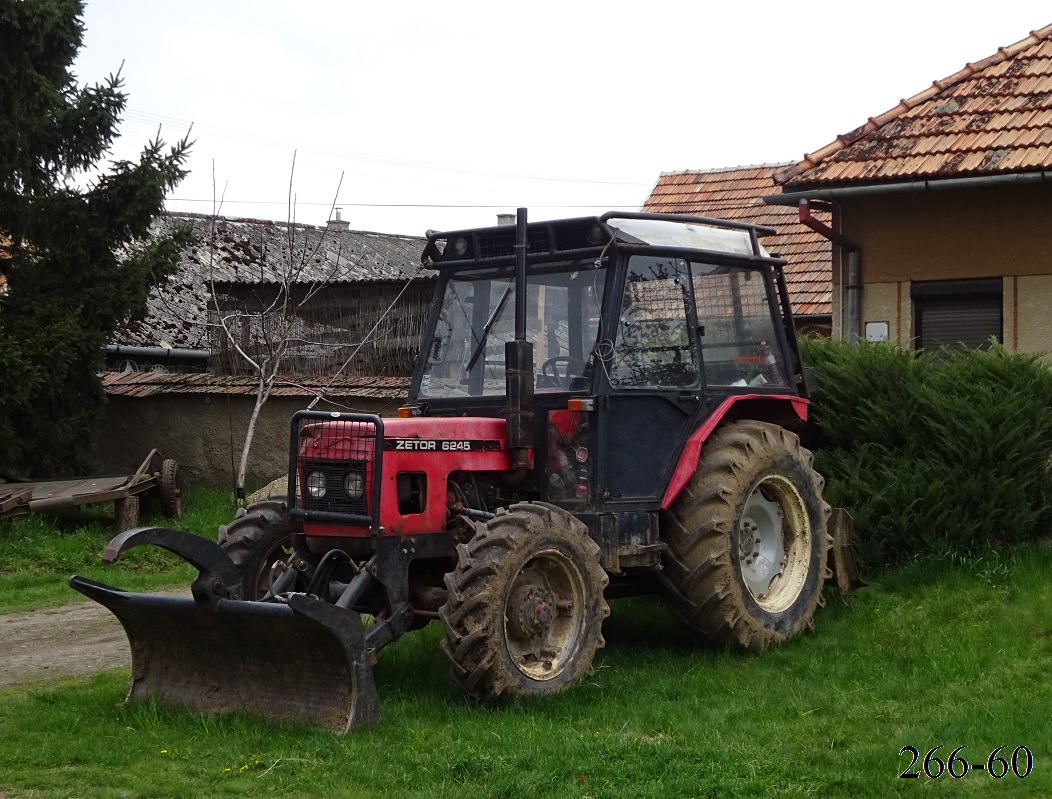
(337, 223)
(505, 219)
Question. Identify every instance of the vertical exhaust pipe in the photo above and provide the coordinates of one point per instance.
(518, 361)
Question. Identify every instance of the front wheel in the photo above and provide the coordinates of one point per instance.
(259, 536)
(525, 608)
(747, 541)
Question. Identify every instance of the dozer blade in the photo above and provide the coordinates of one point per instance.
(305, 661)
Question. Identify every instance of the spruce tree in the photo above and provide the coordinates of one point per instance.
(76, 255)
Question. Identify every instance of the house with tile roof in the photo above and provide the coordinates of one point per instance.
(736, 194)
(176, 384)
(236, 268)
(940, 209)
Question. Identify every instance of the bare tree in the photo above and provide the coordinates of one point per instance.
(262, 327)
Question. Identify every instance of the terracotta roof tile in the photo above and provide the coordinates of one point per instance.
(737, 194)
(994, 116)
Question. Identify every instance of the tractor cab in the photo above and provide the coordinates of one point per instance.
(642, 326)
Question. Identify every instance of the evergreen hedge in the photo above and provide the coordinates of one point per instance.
(949, 451)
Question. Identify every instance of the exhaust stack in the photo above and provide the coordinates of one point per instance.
(518, 363)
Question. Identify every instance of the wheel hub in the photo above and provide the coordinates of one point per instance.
(531, 611)
(760, 548)
(543, 619)
(774, 544)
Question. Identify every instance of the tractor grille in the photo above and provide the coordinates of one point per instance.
(335, 478)
(335, 467)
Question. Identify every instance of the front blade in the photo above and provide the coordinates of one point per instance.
(255, 658)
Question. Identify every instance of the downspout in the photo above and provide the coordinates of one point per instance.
(853, 309)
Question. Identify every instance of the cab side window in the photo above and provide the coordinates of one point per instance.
(739, 343)
(653, 346)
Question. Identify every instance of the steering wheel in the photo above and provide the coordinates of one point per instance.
(550, 373)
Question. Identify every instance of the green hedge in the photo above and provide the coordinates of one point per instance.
(933, 452)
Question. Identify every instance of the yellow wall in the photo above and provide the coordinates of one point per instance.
(1001, 231)
(1034, 313)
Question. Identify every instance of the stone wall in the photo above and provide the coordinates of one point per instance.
(205, 433)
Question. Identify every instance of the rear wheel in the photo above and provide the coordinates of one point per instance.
(525, 607)
(259, 536)
(747, 539)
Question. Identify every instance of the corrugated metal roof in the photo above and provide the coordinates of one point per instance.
(992, 117)
(736, 194)
(259, 251)
(148, 384)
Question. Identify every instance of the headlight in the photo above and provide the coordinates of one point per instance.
(316, 484)
(354, 484)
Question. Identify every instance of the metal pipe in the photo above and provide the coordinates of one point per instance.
(521, 244)
(155, 352)
(794, 198)
(354, 590)
(518, 364)
(854, 295)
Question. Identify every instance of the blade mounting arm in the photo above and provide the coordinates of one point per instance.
(218, 578)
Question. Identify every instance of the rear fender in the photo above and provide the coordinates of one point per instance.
(732, 406)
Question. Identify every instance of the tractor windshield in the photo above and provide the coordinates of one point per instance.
(466, 356)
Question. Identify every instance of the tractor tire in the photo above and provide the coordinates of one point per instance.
(259, 535)
(171, 487)
(747, 540)
(525, 606)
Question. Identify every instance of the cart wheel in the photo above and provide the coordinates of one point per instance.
(171, 489)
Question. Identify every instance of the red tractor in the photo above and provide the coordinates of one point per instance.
(601, 408)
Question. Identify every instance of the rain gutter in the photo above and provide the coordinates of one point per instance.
(840, 192)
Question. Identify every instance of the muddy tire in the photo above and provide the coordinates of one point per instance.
(747, 539)
(525, 609)
(259, 535)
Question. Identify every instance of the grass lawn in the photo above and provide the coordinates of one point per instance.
(943, 654)
(38, 553)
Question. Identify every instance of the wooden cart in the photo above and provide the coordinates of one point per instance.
(156, 477)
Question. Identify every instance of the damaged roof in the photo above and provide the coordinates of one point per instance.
(992, 117)
(148, 384)
(736, 194)
(229, 251)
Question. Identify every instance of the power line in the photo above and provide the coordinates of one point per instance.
(368, 158)
(341, 204)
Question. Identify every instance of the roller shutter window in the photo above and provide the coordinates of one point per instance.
(958, 313)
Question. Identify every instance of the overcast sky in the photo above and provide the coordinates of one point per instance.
(443, 114)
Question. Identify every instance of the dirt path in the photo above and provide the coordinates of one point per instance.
(72, 640)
